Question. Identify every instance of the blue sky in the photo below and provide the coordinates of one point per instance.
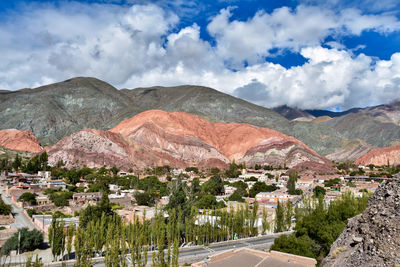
(309, 54)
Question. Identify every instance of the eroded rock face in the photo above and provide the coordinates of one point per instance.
(373, 237)
(180, 139)
(93, 148)
(280, 151)
(19, 140)
(192, 137)
(381, 156)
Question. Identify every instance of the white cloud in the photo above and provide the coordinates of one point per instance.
(252, 40)
(141, 46)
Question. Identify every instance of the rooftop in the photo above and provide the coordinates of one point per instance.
(250, 257)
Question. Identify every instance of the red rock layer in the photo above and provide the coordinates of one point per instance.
(232, 139)
(381, 156)
(19, 140)
(180, 139)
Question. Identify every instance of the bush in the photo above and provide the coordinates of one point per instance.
(236, 197)
(261, 187)
(144, 199)
(4, 208)
(60, 199)
(31, 212)
(319, 226)
(209, 202)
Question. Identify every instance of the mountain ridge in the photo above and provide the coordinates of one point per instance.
(55, 111)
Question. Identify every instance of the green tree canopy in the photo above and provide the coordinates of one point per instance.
(28, 241)
(261, 187)
(28, 197)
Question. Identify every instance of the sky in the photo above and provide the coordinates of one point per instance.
(309, 54)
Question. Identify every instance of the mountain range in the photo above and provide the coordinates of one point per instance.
(58, 110)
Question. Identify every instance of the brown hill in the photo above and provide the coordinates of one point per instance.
(19, 140)
(180, 139)
(381, 156)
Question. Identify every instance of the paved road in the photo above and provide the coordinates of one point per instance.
(203, 251)
(21, 220)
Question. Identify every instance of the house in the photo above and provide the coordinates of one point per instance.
(82, 198)
(273, 197)
(139, 212)
(43, 200)
(57, 184)
(43, 222)
(16, 191)
(229, 190)
(122, 199)
(124, 173)
(46, 175)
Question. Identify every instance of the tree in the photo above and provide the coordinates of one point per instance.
(303, 245)
(319, 191)
(4, 208)
(288, 215)
(265, 224)
(70, 235)
(144, 199)
(177, 195)
(233, 171)
(209, 202)
(57, 237)
(236, 197)
(291, 184)
(114, 170)
(279, 218)
(241, 188)
(214, 186)
(28, 197)
(28, 241)
(36, 263)
(261, 187)
(17, 162)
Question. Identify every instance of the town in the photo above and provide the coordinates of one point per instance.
(198, 207)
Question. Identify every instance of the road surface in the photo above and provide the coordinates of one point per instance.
(199, 251)
(21, 220)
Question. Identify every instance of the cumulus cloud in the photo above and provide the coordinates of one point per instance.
(141, 45)
(287, 29)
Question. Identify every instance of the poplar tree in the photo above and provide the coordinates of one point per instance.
(265, 224)
(279, 218)
(70, 235)
(56, 237)
(288, 215)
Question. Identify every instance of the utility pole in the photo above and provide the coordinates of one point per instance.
(19, 240)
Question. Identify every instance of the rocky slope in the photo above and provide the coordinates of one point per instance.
(350, 150)
(19, 140)
(293, 113)
(57, 110)
(371, 238)
(381, 156)
(233, 140)
(180, 139)
(389, 113)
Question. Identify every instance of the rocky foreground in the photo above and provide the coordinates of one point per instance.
(373, 237)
